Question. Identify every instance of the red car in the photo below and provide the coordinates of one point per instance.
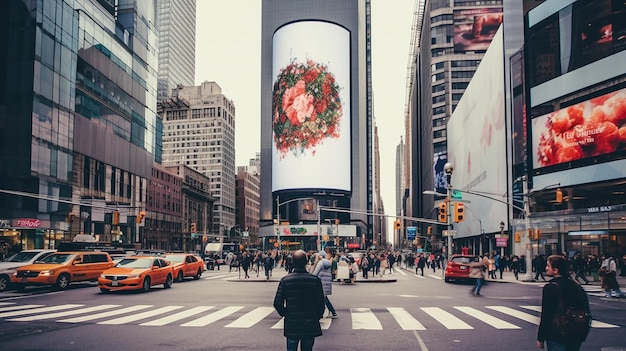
(458, 267)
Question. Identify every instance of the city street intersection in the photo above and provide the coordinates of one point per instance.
(224, 311)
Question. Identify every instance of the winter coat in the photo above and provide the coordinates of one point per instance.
(476, 270)
(559, 289)
(322, 270)
(300, 299)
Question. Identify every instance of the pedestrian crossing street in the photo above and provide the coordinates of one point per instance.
(455, 317)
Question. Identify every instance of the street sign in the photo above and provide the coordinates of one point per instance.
(456, 194)
(449, 232)
(411, 232)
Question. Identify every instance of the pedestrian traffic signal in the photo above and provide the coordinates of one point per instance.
(517, 237)
(443, 212)
(193, 227)
(397, 224)
(140, 216)
(116, 217)
(459, 212)
(559, 196)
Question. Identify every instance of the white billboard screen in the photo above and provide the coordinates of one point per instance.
(477, 145)
(311, 107)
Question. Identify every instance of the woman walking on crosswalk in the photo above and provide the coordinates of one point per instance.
(322, 270)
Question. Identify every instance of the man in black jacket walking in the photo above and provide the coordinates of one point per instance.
(300, 299)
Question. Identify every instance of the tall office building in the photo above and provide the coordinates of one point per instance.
(176, 22)
(77, 119)
(199, 131)
(400, 178)
(247, 202)
(331, 147)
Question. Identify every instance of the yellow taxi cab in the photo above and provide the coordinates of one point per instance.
(62, 268)
(137, 272)
(185, 265)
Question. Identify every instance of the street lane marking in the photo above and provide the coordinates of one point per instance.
(594, 323)
(405, 319)
(217, 277)
(487, 318)
(251, 318)
(210, 318)
(447, 319)
(397, 270)
(517, 314)
(280, 324)
(17, 307)
(178, 316)
(63, 313)
(38, 310)
(434, 276)
(6, 303)
(364, 318)
(324, 323)
(104, 314)
(139, 316)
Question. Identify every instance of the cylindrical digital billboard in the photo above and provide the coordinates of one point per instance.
(311, 107)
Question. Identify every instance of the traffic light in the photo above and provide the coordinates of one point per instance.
(559, 196)
(397, 224)
(140, 216)
(193, 227)
(443, 212)
(429, 230)
(69, 218)
(116, 217)
(517, 237)
(459, 212)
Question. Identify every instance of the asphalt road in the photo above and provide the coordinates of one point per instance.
(222, 312)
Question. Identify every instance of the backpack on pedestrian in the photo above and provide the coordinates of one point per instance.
(572, 322)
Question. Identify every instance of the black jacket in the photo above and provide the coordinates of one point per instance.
(557, 289)
(300, 299)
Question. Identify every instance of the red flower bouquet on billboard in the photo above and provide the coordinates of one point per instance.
(306, 107)
(587, 129)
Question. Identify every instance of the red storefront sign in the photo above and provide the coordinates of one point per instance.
(502, 242)
(353, 245)
(28, 222)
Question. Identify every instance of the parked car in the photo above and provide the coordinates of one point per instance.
(62, 268)
(185, 265)
(458, 267)
(137, 272)
(10, 265)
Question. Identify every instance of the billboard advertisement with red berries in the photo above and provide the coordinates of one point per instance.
(585, 130)
(311, 107)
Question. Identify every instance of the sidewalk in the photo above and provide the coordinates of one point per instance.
(279, 272)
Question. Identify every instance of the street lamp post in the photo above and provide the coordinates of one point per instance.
(448, 168)
(529, 275)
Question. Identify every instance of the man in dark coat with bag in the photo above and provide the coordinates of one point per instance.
(300, 299)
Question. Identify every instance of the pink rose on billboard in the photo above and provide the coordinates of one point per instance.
(306, 107)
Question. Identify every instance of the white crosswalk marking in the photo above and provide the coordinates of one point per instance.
(363, 318)
(280, 324)
(38, 310)
(447, 319)
(251, 318)
(178, 316)
(515, 313)
(63, 313)
(405, 319)
(210, 318)
(398, 270)
(143, 315)
(489, 319)
(594, 323)
(217, 276)
(17, 307)
(105, 314)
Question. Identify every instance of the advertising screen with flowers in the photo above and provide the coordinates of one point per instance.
(585, 130)
(311, 107)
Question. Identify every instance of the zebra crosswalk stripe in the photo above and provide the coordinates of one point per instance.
(17, 307)
(143, 315)
(447, 319)
(594, 323)
(178, 316)
(405, 319)
(364, 318)
(487, 318)
(517, 314)
(104, 314)
(62, 313)
(210, 318)
(251, 318)
(39, 310)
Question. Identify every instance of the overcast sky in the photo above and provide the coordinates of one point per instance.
(228, 51)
